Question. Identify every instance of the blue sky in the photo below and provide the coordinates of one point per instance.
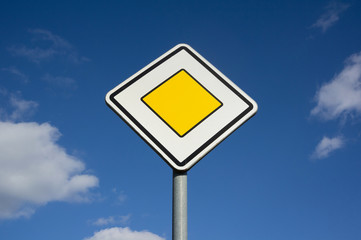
(71, 169)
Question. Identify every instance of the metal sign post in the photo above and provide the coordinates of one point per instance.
(179, 206)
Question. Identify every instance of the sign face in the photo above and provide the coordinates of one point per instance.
(181, 105)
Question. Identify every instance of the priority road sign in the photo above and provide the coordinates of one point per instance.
(181, 105)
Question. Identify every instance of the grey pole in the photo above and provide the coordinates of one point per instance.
(179, 206)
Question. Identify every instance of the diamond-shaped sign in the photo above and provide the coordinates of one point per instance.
(181, 105)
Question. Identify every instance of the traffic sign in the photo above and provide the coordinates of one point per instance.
(181, 105)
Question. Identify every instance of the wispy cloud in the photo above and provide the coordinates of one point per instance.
(35, 54)
(55, 40)
(22, 108)
(342, 95)
(121, 197)
(16, 72)
(46, 45)
(60, 82)
(112, 220)
(18, 108)
(331, 16)
(326, 146)
(118, 233)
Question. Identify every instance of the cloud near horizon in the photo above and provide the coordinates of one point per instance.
(119, 233)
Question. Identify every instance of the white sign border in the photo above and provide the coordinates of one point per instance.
(151, 140)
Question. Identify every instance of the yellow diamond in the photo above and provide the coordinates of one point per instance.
(181, 102)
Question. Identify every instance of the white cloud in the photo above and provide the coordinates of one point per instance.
(112, 220)
(327, 146)
(342, 95)
(46, 45)
(36, 170)
(118, 233)
(331, 16)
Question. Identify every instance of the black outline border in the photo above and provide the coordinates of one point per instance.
(209, 114)
(155, 141)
